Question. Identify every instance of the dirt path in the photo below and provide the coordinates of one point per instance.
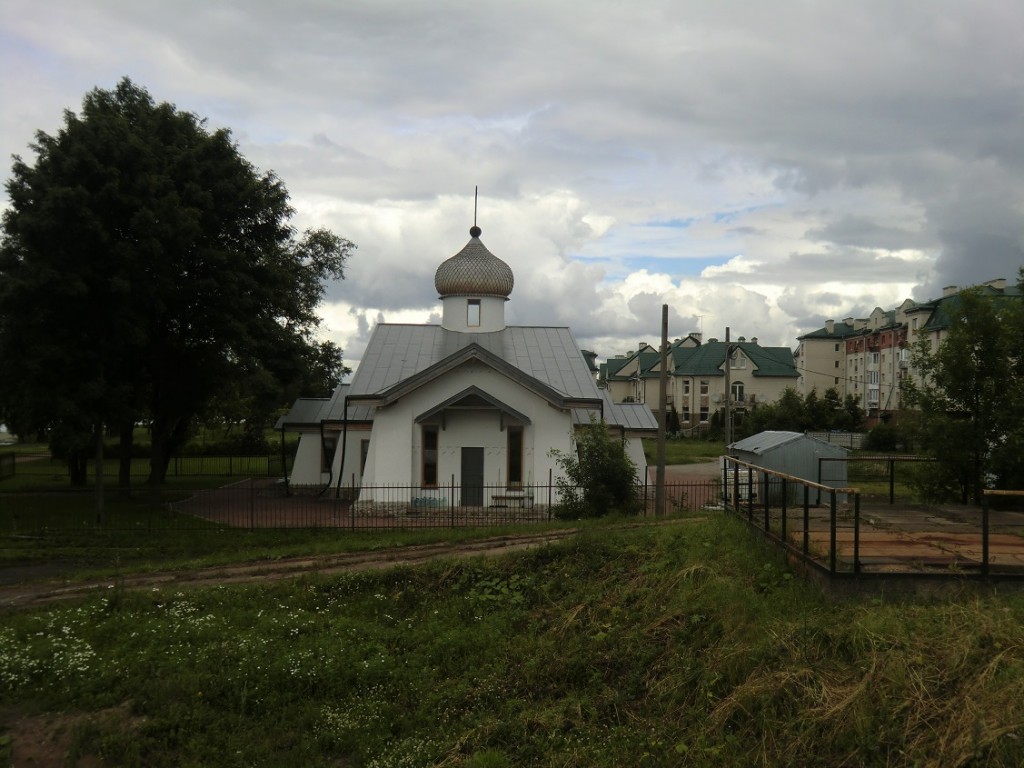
(704, 472)
(43, 592)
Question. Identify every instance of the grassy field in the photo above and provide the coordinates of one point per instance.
(90, 551)
(41, 473)
(684, 451)
(686, 644)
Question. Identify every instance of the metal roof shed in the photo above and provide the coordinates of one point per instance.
(793, 453)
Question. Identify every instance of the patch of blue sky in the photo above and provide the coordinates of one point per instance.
(672, 223)
(618, 267)
(675, 266)
(659, 243)
(668, 246)
(727, 217)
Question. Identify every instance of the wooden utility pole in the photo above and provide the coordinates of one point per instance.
(728, 390)
(659, 483)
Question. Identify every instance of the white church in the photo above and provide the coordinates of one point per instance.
(472, 407)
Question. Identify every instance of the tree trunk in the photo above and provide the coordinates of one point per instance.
(126, 445)
(159, 456)
(99, 489)
(77, 467)
(168, 436)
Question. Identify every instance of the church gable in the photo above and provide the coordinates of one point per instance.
(476, 354)
(473, 399)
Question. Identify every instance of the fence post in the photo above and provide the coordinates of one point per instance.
(856, 534)
(785, 502)
(736, 487)
(892, 480)
(551, 483)
(984, 535)
(725, 482)
(252, 504)
(832, 534)
(807, 520)
(750, 494)
(767, 493)
(451, 504)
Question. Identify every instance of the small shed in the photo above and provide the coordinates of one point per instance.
(796, 454)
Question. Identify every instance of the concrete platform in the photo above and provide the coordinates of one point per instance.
(909, 538)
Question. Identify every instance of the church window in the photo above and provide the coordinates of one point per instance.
(515, 456)
(429, 455)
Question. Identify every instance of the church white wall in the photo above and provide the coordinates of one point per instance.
(395, 448)
(454, 314)
(306, 468)
(347, 466)
(635, 451)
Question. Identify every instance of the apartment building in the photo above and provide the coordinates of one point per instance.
(868, 358)
(696, 386)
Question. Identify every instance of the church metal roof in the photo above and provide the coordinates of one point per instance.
(548, 354)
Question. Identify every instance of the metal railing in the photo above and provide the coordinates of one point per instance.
(179, 466)
(264, 503)
(843, 439)
(776, 496)
(837, 538)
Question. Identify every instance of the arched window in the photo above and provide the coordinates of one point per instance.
(737, 391)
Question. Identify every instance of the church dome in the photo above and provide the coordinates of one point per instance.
(474, 271)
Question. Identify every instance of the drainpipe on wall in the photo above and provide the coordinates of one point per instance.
(344, 442)
(728, 390)
(284, 462)
(659, 490)
(330, 465)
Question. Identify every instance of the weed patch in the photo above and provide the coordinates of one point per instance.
(661, 645)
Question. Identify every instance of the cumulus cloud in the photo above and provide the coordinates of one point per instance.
(764, 167)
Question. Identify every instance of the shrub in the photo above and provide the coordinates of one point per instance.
(600, 478)
(883, 437)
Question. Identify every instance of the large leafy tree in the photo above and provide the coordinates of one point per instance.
(811, 412)
(968, 394)
(146, 268)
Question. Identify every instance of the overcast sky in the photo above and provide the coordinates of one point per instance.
(759, 165)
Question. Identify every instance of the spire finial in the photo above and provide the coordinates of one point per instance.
(475, 231)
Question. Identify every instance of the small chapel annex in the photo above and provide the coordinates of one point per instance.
(471, 404)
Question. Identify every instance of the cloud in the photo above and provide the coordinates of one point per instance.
(763, 167)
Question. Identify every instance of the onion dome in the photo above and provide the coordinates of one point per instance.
(474, 271)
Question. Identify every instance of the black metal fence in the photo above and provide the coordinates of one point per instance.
(841, 537)
(263, 503)
(877, 475)
(179, 466)
(844, 439)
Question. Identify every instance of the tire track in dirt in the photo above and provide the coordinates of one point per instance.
(42, 593)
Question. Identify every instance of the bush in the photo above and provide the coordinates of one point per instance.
(599, 479)
(934, 484)
(883, 437)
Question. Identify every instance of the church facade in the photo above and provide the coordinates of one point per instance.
(471, 406)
